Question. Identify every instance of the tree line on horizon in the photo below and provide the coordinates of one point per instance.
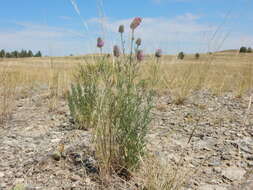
(19, 54)
(245, 50)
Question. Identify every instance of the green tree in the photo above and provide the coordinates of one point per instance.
(38, 54)
(30, 53)
(22, 53)
(249, 50)
(14, 54)
(8, 55)
(2, 53)
(197, 55)
(243, 49)
(181, 55)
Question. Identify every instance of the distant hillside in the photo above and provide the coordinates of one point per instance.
(228, 51)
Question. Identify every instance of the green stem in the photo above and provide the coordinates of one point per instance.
(122, 44)
(131, 51)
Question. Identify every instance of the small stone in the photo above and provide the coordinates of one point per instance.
(211, 187)
(1, 174)
(217, 170)
(233, 174)
(250, 158)
(3, 185)
(56, 156)
(31, 187)
(19, 180)
(75, 178)
(55, 140)
(214, 162)
(19, 174)
(250, 164)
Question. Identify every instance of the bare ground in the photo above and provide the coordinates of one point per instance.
(212, 136)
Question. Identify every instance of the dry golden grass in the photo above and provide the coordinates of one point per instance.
(217, 72)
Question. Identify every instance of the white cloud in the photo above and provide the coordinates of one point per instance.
(50, 40)
(181, 33)
(170, 34)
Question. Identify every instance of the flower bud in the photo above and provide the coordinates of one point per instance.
(116, 51)
(138, 42)
(100, 43)
(140, 55)
(135, 23)
(121, 29)
(158, 53)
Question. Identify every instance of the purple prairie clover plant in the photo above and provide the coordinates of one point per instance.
(100, 42)
(135, 23)
(116, 51)
(140, 55)
(158, 53)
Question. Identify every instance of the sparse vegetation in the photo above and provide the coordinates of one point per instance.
(116, 104)
(181, 55)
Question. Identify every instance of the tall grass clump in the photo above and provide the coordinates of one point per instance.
(109, 98)
(8, 88)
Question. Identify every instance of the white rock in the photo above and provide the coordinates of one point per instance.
(1, 174)
(233, 173)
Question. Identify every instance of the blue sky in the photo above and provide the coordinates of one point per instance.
(63, 27)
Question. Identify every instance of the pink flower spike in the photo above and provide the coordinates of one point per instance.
(140, 55)
(100, 43)
(135, 23)
(116, 51)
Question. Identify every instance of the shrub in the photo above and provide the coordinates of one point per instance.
(110, 99)
(197, 55)
(249, 50)
(243, 49)
(181, 55)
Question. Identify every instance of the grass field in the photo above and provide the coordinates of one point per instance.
(217, 72)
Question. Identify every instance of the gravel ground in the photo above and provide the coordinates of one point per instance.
(219, 152)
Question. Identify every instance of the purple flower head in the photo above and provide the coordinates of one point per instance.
(135, 23)
(121, 29)
(100, 42)
(138, 42)
(158, 53)
(140, 55)
(116, 51)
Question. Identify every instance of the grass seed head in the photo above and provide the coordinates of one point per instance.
(116, 51)
(121, 29)
(138, 42)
